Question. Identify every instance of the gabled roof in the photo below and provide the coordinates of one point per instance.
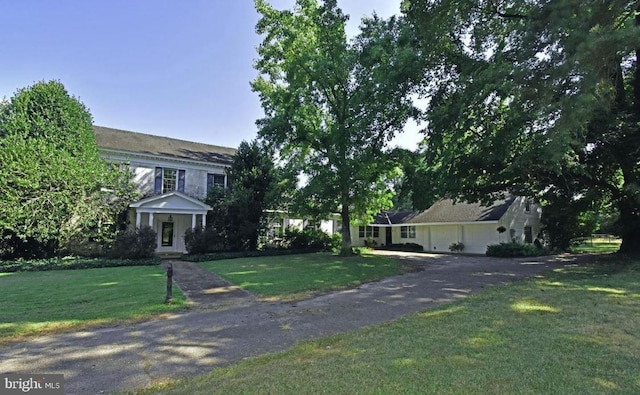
(394, 217)
(171, 202)
(123, 140)
(447, 211)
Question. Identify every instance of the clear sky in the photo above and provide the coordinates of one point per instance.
(176, 68)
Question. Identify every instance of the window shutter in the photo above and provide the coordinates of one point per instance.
(181, 177)
(158, 180)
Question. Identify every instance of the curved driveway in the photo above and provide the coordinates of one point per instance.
(192, 343)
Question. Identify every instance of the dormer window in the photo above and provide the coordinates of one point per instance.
(527, 205)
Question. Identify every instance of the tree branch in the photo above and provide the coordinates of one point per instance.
(506, 15)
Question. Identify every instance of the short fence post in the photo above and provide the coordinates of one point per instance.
(167, 300)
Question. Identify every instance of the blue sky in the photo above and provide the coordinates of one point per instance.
(173, 68)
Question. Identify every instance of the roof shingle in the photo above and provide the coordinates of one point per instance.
(123, 140)
(447, 211)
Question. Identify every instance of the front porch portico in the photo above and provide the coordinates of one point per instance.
(170, 215)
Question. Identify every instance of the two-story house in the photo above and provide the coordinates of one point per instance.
(174, 177)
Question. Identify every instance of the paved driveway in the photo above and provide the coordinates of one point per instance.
(192, 343)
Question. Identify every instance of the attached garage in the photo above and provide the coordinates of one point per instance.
(472, 224)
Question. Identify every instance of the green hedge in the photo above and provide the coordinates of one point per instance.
(510, 250)
(409, 247)
(71, 263)
(216, 256)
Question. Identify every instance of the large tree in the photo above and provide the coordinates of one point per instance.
(253, 185)
(538, 97)
(332, 104)
(52, 179)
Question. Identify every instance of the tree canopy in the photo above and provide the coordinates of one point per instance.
(332, 104)
(51, 174)
(540, 98)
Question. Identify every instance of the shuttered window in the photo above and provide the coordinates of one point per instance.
(169, 180)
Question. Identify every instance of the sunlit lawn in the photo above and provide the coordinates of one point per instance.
(598, 245)
(297, 276)
(41, 302)
(575, 331)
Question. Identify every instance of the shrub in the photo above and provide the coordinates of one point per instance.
(81, 245)
(456, 247)
(507, 250)
(203, 241)
(136, 243)
(309, 239)
(71, 263)
(216, 256)
(408, 247)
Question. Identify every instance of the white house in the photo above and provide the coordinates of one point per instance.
(174, 177)
(472, 224)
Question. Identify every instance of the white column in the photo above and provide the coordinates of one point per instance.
(193, 221)
(138, 215)
(151, 220)
(204, 221)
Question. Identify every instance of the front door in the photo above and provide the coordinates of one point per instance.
(167, 234)
(388, 238)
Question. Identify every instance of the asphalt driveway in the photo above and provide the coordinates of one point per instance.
(233, 326)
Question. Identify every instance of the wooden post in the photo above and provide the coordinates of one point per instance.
(167, 300)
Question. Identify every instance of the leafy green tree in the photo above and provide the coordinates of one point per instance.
(538, 97)
(52, 178)
(333, 104)
(253, 180)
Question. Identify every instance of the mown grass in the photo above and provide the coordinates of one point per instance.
(35, 303)
(574, 331)
(598, 245)
(298, 276)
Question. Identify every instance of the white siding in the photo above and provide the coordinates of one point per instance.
(358, 241)
(143, 177)
(517, 218)
(143, 169)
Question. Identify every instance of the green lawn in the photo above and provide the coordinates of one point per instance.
(574, 331)
(598, 245)
(292, 277)
(40, 302)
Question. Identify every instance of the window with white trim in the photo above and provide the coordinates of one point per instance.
(168, 179)
(214, 180)
(527, 205)
(368, 231)
(407, 232)
(528, 234)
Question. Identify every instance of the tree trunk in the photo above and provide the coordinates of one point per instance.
(346, 250)
(629, 209)
(630, 226)
(631, 243)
